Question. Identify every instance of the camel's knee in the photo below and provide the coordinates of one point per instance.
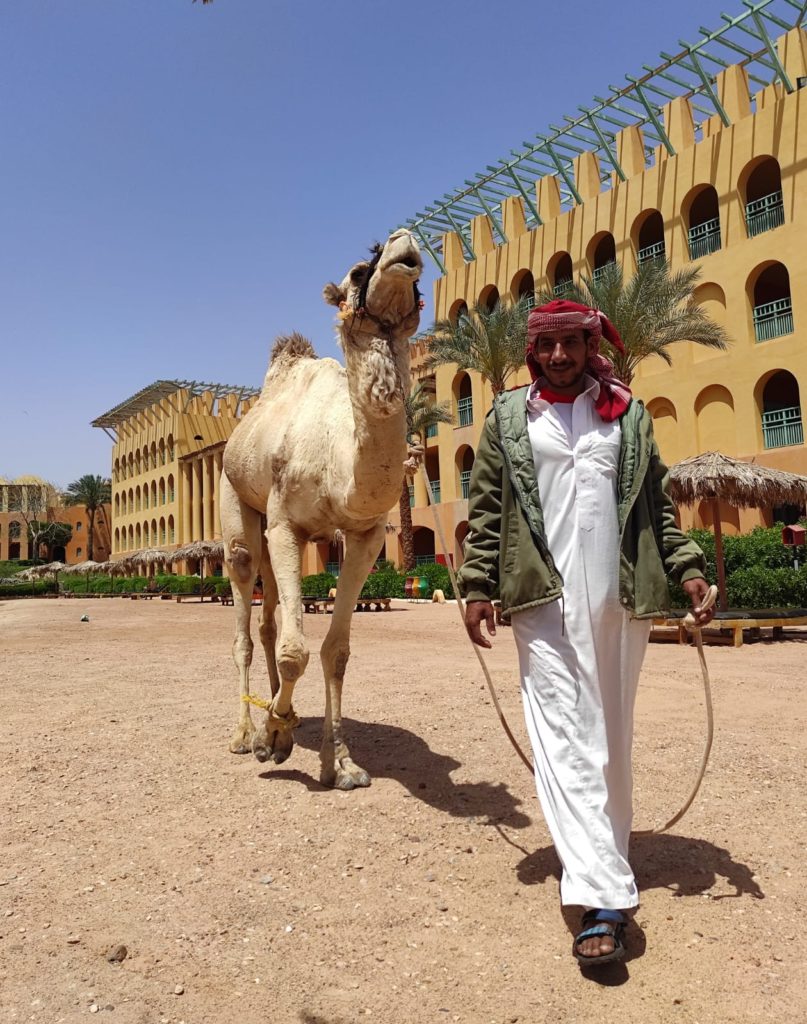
(292, 659)
(242, 650)
(268, 632)
(334, 657)
(240, 563)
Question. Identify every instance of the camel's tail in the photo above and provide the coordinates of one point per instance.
(292, 346)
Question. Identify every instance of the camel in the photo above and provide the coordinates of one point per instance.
(323, 449)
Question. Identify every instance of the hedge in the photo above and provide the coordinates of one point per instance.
(385, 581)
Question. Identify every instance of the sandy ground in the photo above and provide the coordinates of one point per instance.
(247, 894)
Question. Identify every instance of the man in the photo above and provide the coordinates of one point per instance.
(570, 520)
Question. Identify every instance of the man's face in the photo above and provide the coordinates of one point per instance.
(562, 356)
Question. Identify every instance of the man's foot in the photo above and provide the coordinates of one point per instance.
(600, 941)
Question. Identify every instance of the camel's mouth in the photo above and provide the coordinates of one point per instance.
(407, 264)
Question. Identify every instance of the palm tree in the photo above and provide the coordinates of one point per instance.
(652, 310)
(422, 412)
(489, 341)
(92, 492)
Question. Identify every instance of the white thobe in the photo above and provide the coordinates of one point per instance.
(580, 659)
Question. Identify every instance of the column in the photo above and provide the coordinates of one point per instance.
(218, 460)
(207, 497)
(185, 496)
(197, 499)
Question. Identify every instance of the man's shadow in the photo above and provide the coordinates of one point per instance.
(388, 751)
(685, 866)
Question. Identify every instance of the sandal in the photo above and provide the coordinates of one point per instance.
(601, 922)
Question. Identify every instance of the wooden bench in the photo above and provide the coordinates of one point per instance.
(315, 605)
(726, 628)
(379, 604)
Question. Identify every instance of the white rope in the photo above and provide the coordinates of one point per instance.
(689, 622)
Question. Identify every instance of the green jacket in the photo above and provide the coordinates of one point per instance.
(506, 548)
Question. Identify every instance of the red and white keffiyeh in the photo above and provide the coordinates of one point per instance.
(614, 396)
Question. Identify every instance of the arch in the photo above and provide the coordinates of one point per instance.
(162, 530)
(712, 300)
(715, 421)
(117, 504)
(169, 448)
(601, 252)
(424, 544)
(700, 211)
(131, 464)
(170, 488)
(462, 388)
(138, 499)
(464, 463)
(161, 451)
(131, 500)
(665, 428)
(489, 297)
(170, 529)
(523, 287)
(560, 272)
(459, 307)
(162, 490)
(779, 403)
(647, 236)
(154, 454)
(138, 535)
(154, 531)
(131, 537)
(146, 534)
(760, 185)
(153, 493)
(768, 289)
(117, 538)
(460, 534)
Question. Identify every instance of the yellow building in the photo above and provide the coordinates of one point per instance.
(166, 462)
(700, 160)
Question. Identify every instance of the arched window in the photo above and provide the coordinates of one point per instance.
(137, 498)
(153, 493)
(781, 411)
(138, 536)
(523, 287)
(715, 421)
(771, 304)
(162, 530)
(117, 539)
(162, 452)
(701, 213)
(459, 542)
(170, 529)
(170, 487)
(170, 448)
(162, 491)
(463, 392)
(665, 428)
(465, 463)
(648, 237)
(424, 545)
(761, 186)
(154, 531)
(560, 273)
(146, 541)
(153, 455)
(131, 501)
(458, 308)
(601, 253)
(131, 538)
(117, 504)
(489, 297)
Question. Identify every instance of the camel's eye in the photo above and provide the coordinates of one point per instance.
(357, 274)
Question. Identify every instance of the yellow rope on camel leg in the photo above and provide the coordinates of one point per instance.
(275, 722)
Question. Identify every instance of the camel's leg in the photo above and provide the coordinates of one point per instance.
(241, 531)
(268, 626)
(291, 654)
(338, 769)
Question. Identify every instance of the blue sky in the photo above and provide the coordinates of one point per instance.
(177, 182)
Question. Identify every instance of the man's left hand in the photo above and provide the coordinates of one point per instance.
(697, 590)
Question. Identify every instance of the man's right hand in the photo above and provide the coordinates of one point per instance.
(475, 613)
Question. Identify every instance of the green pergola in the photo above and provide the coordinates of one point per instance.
(747, 39)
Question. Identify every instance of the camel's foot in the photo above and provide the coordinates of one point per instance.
(274, 740)
(241, 743)
(344, 773)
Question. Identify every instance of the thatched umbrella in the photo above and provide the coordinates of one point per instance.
(82, 569)
(201, 551)
(715, 477)
(152, 556)
(38, 572)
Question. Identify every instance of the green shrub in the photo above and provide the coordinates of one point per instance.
(384, 582)
(31, 588)
(438, 578)
(318, 585)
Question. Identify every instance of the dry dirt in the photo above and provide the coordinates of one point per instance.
(246, 895)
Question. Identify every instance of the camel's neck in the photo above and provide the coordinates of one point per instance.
(378, 380)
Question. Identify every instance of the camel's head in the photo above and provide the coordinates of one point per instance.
(385, 288)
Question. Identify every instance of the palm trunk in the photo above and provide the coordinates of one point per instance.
(407, 533)
(91, 513)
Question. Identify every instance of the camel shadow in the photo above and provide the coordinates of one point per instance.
(388, 751)
(686, 867)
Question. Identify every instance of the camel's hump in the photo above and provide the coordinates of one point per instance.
(292, 346)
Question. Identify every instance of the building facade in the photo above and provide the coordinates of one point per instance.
(728, 192)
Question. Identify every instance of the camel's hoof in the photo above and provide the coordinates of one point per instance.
(241, 743)
(345, 776)
(272, 746)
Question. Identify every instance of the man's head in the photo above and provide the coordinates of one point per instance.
(562, 356)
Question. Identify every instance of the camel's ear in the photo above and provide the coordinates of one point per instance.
(333, 294)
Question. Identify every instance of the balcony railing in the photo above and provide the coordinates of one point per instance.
(782, 427)
(436, 491)
(773, 319)
(562, 287)
(424, 559)
(411, 495)
(465, 411)
(599, 271)
(431, 431)
(655, 251)
(332, 568)
(765, 214)
(704, 238)
(465, 483)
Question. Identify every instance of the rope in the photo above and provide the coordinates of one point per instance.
(689, 622)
